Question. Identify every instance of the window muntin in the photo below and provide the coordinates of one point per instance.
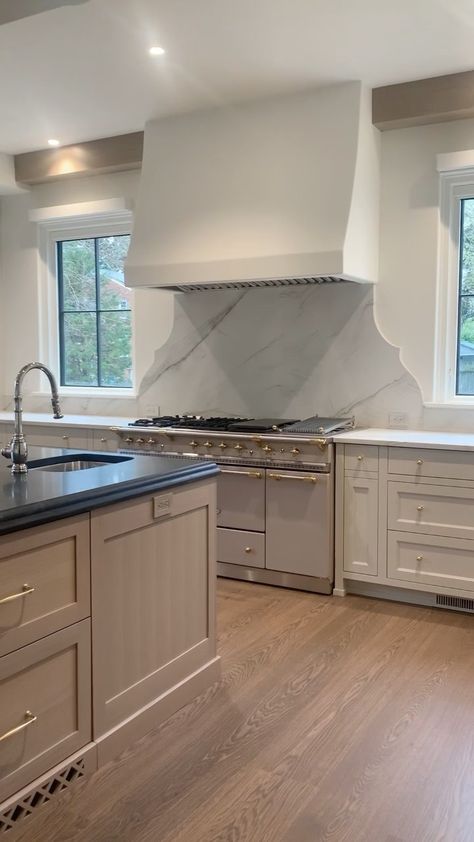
(465, 332)
(95, 318)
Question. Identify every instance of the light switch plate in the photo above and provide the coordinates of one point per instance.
(398, 420)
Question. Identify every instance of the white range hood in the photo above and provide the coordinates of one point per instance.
(272, 192)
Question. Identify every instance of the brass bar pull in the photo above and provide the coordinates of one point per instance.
(26, 590)
(253, 474)
(309, 478)
(29, 719)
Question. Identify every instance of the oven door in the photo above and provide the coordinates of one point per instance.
(299, 523)
(241, 498)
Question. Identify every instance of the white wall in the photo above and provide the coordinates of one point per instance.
(405, 298)
(20, 293)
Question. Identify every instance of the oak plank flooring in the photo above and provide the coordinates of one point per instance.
(335, 719)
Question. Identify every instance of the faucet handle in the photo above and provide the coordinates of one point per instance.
(7, 451)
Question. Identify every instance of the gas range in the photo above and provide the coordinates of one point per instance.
(268, 442)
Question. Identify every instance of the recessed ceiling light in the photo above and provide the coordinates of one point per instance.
(156, 51)
(53, 142)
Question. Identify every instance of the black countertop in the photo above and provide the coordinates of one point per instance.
(41, 496)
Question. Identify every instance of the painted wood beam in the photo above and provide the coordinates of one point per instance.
(109, 154)
(424, 101)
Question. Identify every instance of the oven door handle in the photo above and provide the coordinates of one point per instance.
(309, 478)
(252, 474)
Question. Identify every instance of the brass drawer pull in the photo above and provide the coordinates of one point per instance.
(252, 474)
(419, 461)
(29, 719)
(420, 508)
(248, 549)
(26, 590)
(419, 558)
(359, 458)
(289, 476)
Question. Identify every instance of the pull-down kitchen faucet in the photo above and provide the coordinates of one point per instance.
(17, 450)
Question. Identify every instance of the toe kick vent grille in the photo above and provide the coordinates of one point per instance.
(456, 603)
(27, 804)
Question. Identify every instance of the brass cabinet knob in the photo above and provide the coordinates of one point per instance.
(65, 438)
(193, 444)
(419, 461)
(103, 439)
(222, 446)
(295, 451)
(208, 444)
(359, 458)
(248, 549)
(419, 558)
(420, 508)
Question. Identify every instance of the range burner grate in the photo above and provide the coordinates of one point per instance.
(188, 422)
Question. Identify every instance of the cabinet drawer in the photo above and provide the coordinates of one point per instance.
(420, 462)
(44, 581)
(241, 499)
(50, 435)
(431, 509)
(447, 562)
(45, 711)
(234, 546)
(361, 457)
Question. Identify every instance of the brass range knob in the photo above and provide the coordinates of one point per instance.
(267, 449)
(239, 447)
(295, 451)
(208, 444)
(222, 446)
(151, 441)
(193, 444)
(128, 440)
(140, 441)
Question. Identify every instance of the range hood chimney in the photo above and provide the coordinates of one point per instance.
(268, 193)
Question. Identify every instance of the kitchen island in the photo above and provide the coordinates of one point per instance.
(107, 577)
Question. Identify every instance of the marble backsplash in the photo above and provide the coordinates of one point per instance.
(286, 352)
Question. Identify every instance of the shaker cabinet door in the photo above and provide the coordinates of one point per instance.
(360, 525)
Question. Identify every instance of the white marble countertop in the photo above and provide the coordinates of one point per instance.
(409, 438)
(90, 421)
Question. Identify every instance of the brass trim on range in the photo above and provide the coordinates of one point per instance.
(309, 478)
(11, 598)
(321, 443)
(29, 719)
(252, 474)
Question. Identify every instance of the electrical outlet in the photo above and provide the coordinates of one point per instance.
(398, 420)
(152, 410)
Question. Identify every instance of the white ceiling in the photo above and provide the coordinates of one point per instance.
(83, 71)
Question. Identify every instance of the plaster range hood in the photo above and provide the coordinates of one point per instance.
(274, 192)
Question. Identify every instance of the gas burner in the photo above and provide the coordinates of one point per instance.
(188, 422)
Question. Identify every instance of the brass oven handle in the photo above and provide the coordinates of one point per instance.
(26, 590)
(253, 474)
(289, 476)
(29, 719)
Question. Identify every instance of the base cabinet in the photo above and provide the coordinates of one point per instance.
(45, 710)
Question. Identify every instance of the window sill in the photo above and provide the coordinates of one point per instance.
(466, 403)
(72, 392)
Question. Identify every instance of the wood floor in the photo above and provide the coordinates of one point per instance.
(335, 719)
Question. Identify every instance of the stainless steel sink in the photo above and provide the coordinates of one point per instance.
(76, 462)
(76, 465)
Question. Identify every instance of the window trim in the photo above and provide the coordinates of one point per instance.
(456, 183)
(75, 228)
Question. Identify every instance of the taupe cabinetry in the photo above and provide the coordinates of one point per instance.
(45, 711)
(153, 622)
(44, 581)
(52, 435)
(408, 526)
(104, 440)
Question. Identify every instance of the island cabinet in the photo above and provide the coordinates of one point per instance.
(405, 523)
(107, 627)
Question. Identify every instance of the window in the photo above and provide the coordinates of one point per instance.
(95, 316)
(454, 347)
(465, 332)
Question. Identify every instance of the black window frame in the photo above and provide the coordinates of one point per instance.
(97, 311)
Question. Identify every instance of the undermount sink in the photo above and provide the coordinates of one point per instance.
(76, 462)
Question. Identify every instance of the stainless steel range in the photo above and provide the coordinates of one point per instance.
(275, 492)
